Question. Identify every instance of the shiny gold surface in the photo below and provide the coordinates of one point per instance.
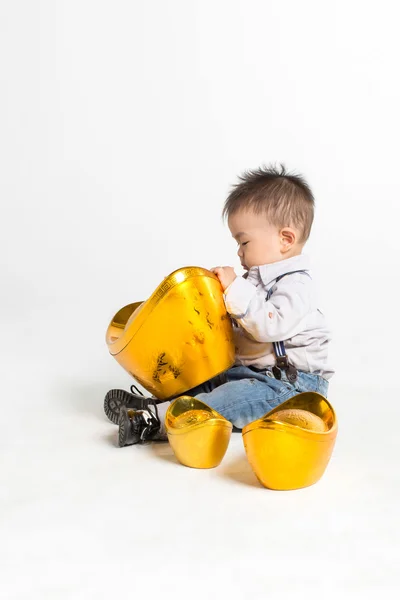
(198, 435)
(290, 447)
(179, 338)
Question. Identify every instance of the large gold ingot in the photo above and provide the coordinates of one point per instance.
(290, 447)
(179, 338)
(198, 435)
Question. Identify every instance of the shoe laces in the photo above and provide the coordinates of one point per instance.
(147, 423)
(133, 387)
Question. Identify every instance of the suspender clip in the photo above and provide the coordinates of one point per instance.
(277, 372)
(282, 364)
(291, 373)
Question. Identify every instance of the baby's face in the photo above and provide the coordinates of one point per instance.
(259, 242)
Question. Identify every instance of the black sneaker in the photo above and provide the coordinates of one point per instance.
(137, 426)
(116, 398)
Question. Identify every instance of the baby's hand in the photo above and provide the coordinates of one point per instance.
(226, 275)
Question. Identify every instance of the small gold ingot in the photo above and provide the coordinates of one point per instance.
(199, 436)
(290, 447)
(179, 338)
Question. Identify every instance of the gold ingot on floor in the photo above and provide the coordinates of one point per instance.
(290, 447)
(179, 338)
(198, 435)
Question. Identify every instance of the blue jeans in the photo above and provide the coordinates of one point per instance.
(242, 395)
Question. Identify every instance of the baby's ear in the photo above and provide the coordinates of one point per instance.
(288, 238)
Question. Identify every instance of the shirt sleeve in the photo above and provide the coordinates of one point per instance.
(277, 319)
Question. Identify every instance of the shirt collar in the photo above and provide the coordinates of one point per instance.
(268, 273)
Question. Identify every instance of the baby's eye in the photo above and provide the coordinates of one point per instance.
(245, 243)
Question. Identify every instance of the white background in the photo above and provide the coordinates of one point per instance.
(122, 127)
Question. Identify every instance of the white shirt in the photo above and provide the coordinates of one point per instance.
(290, 315)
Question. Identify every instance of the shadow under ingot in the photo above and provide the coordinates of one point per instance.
(177, 339)
(198, 435)
(290, 447)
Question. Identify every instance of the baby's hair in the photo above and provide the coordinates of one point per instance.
(285, 198)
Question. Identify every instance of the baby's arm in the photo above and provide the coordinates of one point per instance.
(277, 319)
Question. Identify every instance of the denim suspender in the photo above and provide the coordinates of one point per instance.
(282, 361)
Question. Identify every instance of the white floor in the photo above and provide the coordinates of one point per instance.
(83, 519)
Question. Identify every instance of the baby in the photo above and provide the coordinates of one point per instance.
(281, 338)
